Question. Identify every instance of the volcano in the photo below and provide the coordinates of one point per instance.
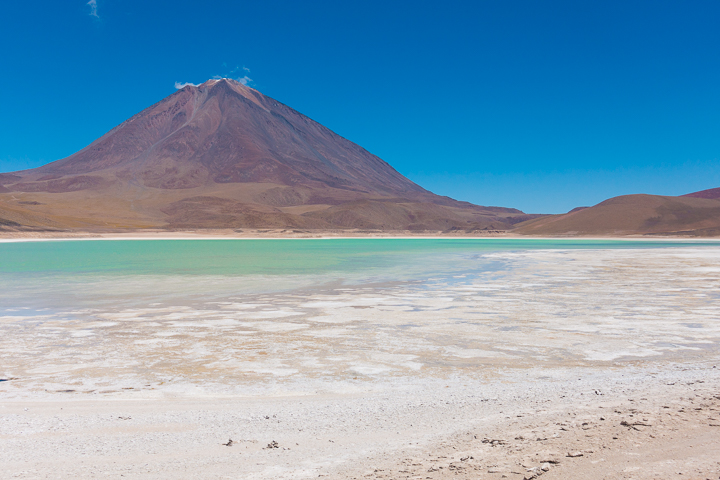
(223, 155)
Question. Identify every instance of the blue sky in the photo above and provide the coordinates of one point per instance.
(538, 105)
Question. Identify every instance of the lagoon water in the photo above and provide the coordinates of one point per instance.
(268, 257)
(278, 316)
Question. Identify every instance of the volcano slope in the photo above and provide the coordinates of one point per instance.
(694, 214)
(223, 155)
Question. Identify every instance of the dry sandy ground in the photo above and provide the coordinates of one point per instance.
(644, 423)
(664, 431)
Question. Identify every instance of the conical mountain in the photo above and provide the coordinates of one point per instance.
(223, 155)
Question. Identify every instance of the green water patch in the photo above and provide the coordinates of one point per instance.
(266, 257)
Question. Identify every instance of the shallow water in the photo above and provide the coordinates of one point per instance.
(297, 315)
(265, 257)
(53, 274)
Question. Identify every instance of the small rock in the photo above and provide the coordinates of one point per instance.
(575, 454)
(545, 467)
(229, 443)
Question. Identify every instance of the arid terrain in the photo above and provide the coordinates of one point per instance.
(655, 423)
(223, 155)
(695, 214)
(668, 430)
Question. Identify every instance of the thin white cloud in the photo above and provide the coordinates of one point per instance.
(179, 85)
(93, 8)
(238, 70)
(244, 80)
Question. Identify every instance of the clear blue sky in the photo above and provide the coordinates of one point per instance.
(539, 105)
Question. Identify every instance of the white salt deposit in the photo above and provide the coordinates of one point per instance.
(540, 308)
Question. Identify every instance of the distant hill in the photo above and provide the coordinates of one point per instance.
(710, 193)
(223, 155)
(693, 214)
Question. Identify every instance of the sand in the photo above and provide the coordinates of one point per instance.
(565, 364)
(645, 423)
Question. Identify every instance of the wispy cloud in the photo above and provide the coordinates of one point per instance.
(93, 8)
(244, 80)
(237, 69)
(179, 85)
(235, 72)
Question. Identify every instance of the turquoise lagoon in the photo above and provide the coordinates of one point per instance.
(54, 274)
(266, 257)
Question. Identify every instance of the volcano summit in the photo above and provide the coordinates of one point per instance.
(223, 155)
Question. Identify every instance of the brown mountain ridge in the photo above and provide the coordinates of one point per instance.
(223, 155)
(694, 214)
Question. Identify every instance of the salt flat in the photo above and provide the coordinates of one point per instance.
(349, 371)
